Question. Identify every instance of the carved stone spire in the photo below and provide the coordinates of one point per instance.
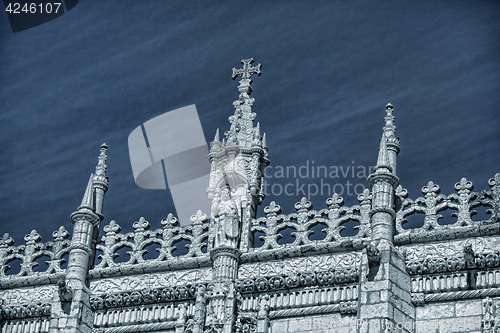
(73, 291)
(101, 167)
(242, 130)
(239, 161)
(236, 179)
(383, 182)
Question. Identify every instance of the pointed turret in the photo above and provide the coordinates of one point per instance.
(88, 197)
(383, 164)
(217, 136)
(86, 221)
(383, 269)
(383, 182)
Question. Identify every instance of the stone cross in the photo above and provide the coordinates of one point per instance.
(247, 69)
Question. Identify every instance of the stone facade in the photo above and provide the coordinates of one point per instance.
(239, 274)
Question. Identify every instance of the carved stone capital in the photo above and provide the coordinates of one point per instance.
(225, 251)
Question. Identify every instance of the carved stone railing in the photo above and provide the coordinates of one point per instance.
(306, 218)
(461, 204)
(164, 238)
(33, 250)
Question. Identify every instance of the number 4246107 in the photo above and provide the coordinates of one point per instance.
(33, 8)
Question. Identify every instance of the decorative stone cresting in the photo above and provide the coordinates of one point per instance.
(461, 203)
(332, 218)
(33, 250)
(166, 238)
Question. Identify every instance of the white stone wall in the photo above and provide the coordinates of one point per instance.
(450, 317)
(326, 323)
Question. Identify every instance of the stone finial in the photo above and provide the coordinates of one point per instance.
(6, 240)
(60, 234)
(101, 167)
(199, 217)
(247, 70)
(389, 128)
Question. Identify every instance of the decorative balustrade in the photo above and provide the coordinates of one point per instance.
(462, 205)
(31, 252)
(303, 221)
(165, 239)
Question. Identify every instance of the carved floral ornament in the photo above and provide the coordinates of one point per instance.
(33, 250)
(144, 296)
(303, 279)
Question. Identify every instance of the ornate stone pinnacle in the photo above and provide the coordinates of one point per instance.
(100, 169)
(247, 70)
(389, 128)
(100, 179)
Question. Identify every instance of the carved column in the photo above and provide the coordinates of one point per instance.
(199, 309)
(222, 296)
(181, 316)
(263, 314)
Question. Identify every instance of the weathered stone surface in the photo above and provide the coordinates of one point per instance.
(238, 273)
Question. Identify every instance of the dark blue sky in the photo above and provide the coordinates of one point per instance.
(329, 68)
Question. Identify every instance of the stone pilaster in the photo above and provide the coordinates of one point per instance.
(200, 309)
(223, 296)
(263, 315)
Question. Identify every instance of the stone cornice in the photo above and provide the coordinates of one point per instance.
(415, 236)
(306, 250)
(150, 267)
(10, 282)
